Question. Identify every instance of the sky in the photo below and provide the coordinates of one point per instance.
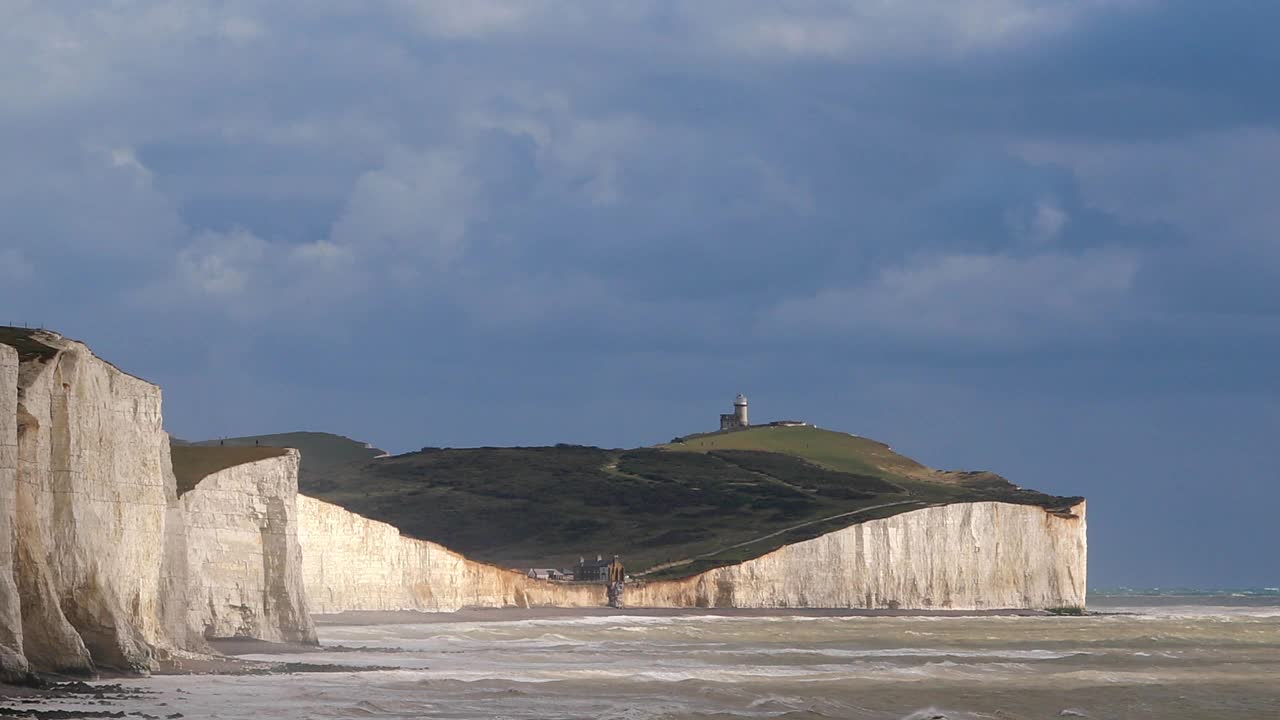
(1029, 236)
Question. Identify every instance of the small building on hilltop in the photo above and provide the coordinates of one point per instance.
(738, 419)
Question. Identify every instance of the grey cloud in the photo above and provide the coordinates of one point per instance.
(859, 209)
(1213, 190)
(842, 30)
(1207, 184)
(414, 208)
(969, 299)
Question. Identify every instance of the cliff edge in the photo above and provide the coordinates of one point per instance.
(963, 556)
(244, 562)
(102, 564)
(670, 512)
(92, 490)
(13, 663)
(354, 563)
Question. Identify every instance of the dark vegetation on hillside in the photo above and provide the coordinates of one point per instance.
(691, 509)
(811, 477)
(23, 340)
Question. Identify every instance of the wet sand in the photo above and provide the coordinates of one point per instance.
(31, 702)
(248, 646)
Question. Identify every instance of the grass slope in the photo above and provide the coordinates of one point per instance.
(676, 509)
(322, 453)
(192, 463)
(25, 341)
(834, 450)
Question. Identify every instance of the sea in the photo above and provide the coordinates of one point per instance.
(1139, 654)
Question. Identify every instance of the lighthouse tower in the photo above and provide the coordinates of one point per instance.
(737, 420)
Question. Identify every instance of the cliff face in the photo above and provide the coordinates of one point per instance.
(243, 558)
(98, 555)
(13, 665)
(92, 493)
(967, 556)
(353, 563)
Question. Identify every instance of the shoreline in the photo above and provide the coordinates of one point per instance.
(362, 618)
(227, 658)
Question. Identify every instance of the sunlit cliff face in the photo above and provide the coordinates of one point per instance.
(964, 556)
(104, 560)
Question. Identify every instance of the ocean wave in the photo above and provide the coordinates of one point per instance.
(1123, 592)
(1194, 612)
(617, 621)
(620, 673)
(756, 667)
(925, 652)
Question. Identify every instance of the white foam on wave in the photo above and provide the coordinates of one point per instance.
(675, 648)
(1223, 613)
(926, 652)
(570, 629)
(619, 622)
(564, 669)
(936, 713)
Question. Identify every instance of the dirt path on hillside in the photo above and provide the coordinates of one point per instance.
(713, 553)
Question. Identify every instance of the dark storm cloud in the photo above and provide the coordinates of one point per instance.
(1031, 236)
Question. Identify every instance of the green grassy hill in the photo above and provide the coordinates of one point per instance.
(835, 450)
(323, 453)
(700, 502)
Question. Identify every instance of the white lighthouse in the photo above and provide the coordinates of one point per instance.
(738, 419)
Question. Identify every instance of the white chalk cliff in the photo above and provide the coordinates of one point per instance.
(92, 489)
(964, 556)
(244, 564)
(353, 563)
(94, 542)
(103, 564)
(13, 664)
